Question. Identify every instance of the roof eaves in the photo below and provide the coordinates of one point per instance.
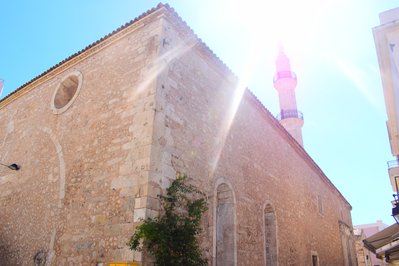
(124, 26)
(188, 31)
(184, 27)
(295, 144)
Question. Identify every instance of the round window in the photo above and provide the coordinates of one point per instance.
(66, 92)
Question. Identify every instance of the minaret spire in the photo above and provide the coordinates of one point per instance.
(285, 82)
(1, 86)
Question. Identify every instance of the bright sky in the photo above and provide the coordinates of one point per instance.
(330, 44)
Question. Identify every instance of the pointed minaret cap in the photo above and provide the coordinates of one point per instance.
(285, 82)
(1, 86)
(282, 62)
(284, 77)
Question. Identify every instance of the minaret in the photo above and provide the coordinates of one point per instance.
(285, 82)
(1, 86)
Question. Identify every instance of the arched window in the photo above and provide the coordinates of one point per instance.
(225, 227)
(270, 236)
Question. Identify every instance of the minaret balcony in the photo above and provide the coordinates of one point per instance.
(393, 170)
(283, 75)
(289, 114)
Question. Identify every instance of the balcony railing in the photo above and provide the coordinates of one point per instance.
(393, 164)
(393, 170)
(289, 114)
(284, 74)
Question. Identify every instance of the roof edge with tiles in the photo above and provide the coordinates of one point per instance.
(78, 56)
(285, 134)
(119, 33)
(182, 25)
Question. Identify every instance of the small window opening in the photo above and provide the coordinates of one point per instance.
(66, 92)
(315, 260)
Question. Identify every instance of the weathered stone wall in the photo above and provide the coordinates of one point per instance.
(153, 102)
(200, 131)
(363, 254)
(83, 172)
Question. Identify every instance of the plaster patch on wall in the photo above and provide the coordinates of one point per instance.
(61, 160)
(10, 126)
(139, 215)
(10, 129)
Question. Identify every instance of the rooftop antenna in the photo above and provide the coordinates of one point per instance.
(1, 86)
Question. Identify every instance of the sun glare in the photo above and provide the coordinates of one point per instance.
(159, 65)
(266, 25)
(231, 112)
(292, 23)
(359, 78)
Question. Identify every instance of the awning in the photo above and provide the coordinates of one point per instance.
(390, 254)
(384, 243)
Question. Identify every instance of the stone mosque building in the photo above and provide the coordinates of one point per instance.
(98, 136)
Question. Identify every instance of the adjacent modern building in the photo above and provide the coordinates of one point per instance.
(99, 135)
(386, 36)
(363, 231)
(363, 254)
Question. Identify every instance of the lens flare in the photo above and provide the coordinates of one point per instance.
(234, 104)
(159, 65)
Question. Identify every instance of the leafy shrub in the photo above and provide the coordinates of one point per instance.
(172, 237)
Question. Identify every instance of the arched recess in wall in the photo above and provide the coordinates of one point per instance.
(61, 163)
(348, 244)
(270, 235)
(225, 226)
(61, 193)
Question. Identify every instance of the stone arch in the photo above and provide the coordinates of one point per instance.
(225, 249)
(270, 235)
(60, 155)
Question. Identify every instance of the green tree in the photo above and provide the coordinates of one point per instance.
(172, 237)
